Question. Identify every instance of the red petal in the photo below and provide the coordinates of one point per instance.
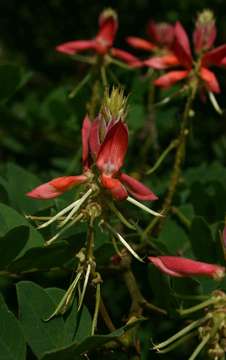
(182, 267)
(44, 191)
(56, 187)
(94, 139)
(139, 43)
(181, 46)
(72, 47)
(210, 80)
(126, 57)
(214, 57)
(64, 183)
(171, 78)
(204, 36)
(113, 149)
(162, 33)
(223, 62)
(86, 128)
(115, 187)
(162, 62)
(108, 28)
(137, 189)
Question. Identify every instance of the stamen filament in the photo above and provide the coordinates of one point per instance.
(84, 286)
(143, 207)
(65, 301)
(52, 239)
(76, 208)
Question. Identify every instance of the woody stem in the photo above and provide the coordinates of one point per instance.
(179, 157)
(180, 153)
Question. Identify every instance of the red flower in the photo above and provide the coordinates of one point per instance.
(183, 267)
(108, 156)
(102, 43)
(162, 36)
(203, 38)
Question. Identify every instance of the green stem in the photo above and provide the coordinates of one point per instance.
(180, 334)
(199, 347)
(178, 342)
(120, 64)
(80, 85)
(104, 76)
(211, 301)
(183, 219)
(106, 317)
(86, 59)
(96, 311)
(180, 153)
(162, 157)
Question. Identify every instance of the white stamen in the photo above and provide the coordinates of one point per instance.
(63, 212)
(142, 206)
(84, 286)
(215, 104)
(124, 242)
(76, 208)
(52, 239)
(62, 306)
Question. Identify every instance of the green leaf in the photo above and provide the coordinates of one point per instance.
(35, 305)
(75, 350)
(9, 219)
(202, 241)
(10, 79)
(43, 258)
(18, 199)
(12, 342)
(12, 243)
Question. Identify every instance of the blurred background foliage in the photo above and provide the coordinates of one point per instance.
(40, 134)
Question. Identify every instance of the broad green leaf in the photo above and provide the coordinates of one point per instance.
(84, 322)
(43, 258)
(12, 342)
(202, 241)
(10, 219)
(10, 79)
(12, 243)
(173, 236)
(18, 199)
(88, 344)
(35, 305)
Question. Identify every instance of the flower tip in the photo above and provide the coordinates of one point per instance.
(107, 14)
(219, 273)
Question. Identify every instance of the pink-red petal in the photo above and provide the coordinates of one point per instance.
(139, 43)
(183, 267)
(113, 149)
(162, 62)
(137, 189)
(126, 57)
(56, 187)
(108, 26)
(44, 191)
(181, 46)
(171, 78)
(73, 47)
(210, 80)
(94, 139)
(116, 188)
(214, 57)
(162, 33)
(86, 128)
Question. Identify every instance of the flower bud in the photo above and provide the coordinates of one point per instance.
(114, 106)
(161, 33)
(205, 31)
(182, 267)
